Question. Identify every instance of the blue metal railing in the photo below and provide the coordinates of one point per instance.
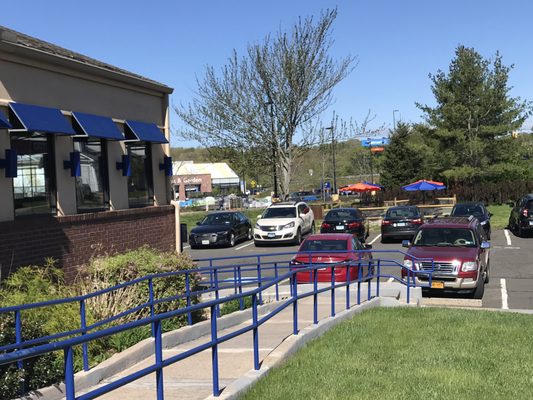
(270, 270)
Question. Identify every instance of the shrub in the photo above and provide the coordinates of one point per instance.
(234, 305)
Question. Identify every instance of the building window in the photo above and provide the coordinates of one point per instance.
(92, 189)
(140, 183)
(34, 187)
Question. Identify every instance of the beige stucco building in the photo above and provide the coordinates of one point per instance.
(78, 137)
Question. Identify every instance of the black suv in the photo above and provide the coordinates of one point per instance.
(478, 210)
(521, 218)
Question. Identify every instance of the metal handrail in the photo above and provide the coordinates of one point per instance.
(263, 283)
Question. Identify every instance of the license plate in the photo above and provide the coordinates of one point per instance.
(340, 227)
(530, 222)
(205, 241)
(271, 235)
(400, 224)
(437, 285)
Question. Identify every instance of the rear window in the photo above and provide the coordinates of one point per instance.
(342, 214)
(445, 237)
(529, 205)
(467, 209)
(324, 245)
(402, 213)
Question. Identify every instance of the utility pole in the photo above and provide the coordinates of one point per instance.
(394, 119)
(274, 159)
(332, 129)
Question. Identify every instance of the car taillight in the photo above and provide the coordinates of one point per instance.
(525, 213)
(325, 225)
(352, 225)
(385, 222)
(417, 221)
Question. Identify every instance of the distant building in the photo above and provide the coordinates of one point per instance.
(190, 177)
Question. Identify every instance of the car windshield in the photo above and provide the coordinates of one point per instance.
(529, 205)
(402, 213)
(280, 212)
(217, 219)
(341, 214)
(324, 245)
(445, 237)
(468, 209)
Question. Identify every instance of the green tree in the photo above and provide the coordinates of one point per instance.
(474, 116)
(401, 163)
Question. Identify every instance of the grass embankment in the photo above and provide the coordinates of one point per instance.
(411, 353)
(500, 216)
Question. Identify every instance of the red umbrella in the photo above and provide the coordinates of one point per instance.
(360, 187)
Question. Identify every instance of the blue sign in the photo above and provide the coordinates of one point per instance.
(327, 185)
(372, 142)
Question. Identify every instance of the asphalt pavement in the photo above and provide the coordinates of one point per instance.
(511, 265)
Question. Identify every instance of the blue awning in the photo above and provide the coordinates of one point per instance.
(39, 119)
(96, 126)
(4, 124)
(146, 132)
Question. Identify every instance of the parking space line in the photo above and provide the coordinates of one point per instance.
(503, 285)
(244, 245)
(376, 238)
(507, 237)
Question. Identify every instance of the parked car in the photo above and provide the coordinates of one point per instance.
(221, 228)
(346, 220)
(284, 222)
(400, 222)
(521, 218)
(478, 210)
(338, 249)
(460, 253)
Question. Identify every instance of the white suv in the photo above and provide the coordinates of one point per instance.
(284, 222)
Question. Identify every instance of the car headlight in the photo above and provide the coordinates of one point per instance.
(289, 225)
(469, 266)
(222, 233)
(408, 264)
(257, 226)
(484, 222)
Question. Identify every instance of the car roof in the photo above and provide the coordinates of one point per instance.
(330, 236)
(401, 207)
(286, 204)
(470, 203)
(223, 212)
(451, 222)
(343, 209)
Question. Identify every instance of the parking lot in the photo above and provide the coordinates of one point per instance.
(511, 265)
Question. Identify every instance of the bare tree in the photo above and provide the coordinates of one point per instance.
(270, 100)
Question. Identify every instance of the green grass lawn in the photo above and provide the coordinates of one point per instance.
(411, 353)
(500, 216)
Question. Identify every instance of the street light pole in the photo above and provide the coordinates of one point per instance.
(274, 160)
(394, 118)
(334, 189)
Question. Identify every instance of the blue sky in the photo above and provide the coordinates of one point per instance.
(398, 43)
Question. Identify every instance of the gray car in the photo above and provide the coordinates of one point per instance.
(400, 222)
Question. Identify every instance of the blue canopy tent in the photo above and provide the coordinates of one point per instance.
(423, 186)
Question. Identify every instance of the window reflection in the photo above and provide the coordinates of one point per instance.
(31, 187)
(139, 183)
(90, 185)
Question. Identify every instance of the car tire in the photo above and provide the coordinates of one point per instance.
(384, 239)
(298, 237)
(250, 235)
(194, 246)
(257, 244)
(479, 290)
(487, 273)
(231, 242)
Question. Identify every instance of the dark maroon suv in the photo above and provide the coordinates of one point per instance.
(455, 250)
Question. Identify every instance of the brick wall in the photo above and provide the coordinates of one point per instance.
(72, 240)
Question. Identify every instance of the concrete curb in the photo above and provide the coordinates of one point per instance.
(293, 343)
(142, 350)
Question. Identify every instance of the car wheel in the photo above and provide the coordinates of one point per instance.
(487, 273)
(313, 228)
(479, 291)
(298, 237)
(250, 234)
(384, 239)
(257, 244)
(232, 240)
(519, 231)
(194, 246)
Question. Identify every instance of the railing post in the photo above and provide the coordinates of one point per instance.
(18, 334)
(368, 282)
(84, 346)
(294, 305)
(348, 276)
(214, 350)
(239, 277)
(408, 283)
(159, 360)
(333, 290)
(151, 300)
(255, 332)
(217, 307)
(259, 279)
(276, 278)
(359, 279)
(188, 296)
(70, 391)
(315, 296)
(379, 274)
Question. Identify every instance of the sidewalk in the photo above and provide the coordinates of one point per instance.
(191, 378)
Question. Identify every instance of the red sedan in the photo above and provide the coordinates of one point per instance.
(340, 249)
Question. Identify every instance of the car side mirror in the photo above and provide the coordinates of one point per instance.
(198, 223)
(485, 245)
(406, 243)
(368, 246)
(490, 214)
